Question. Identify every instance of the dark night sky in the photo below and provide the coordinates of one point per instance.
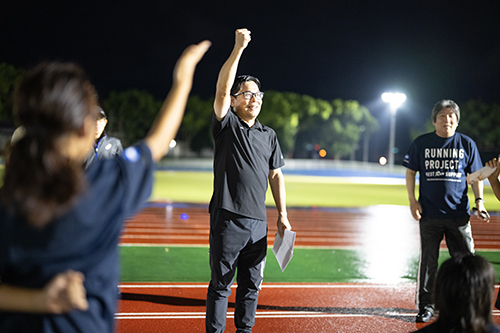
(429, 50)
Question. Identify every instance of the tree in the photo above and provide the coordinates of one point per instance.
(312, 115)
(9, 76)
(195, 127)
(281, 113)
(130, 114)
(342, 130)
(335, 126)
(480, 121)
(416, 132)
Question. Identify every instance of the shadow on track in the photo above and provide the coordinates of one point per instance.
(393, 313)
(167, 300)
(406, 315)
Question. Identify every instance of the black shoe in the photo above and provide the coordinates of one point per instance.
(424, 316)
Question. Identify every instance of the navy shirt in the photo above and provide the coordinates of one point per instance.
(84, 239)
(443, 165)
(243, 156)
(105, 147)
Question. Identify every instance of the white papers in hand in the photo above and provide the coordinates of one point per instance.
(283, 248)
(480, 174)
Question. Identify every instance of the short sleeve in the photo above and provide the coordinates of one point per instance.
(137, 165)
(411, 159)
(276, 161)
(476, 162)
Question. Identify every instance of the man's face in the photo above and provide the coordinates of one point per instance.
(249, 109)
(446, 123)
(99, 128)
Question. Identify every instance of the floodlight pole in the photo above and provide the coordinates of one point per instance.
(392, 139)
(395, 100)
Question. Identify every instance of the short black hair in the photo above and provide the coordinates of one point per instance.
(238, 82)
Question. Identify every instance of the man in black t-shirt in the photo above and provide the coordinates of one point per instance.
(246, 155)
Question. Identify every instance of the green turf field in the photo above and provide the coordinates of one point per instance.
(190, 264)
(301, 191)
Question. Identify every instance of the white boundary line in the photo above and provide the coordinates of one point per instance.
(263, 314)
(259, 314)
(324, 247)
(281, 286)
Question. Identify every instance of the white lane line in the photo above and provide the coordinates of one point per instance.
(274, 314)
(281, 286)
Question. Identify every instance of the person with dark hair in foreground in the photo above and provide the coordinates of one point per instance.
(246, 156)
(54, 216)
(463, 296)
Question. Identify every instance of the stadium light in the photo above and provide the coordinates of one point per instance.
(394, 100)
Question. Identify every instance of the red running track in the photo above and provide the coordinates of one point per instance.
(286, 307)
(338, 228)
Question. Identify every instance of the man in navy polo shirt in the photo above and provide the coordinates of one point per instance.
(443, 159)
(246, 155)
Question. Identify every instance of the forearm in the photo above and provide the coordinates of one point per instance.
(277, 184)
(169, 119)
(410, 185)
(16, 299)
(227, 74)
(495, 186)
(225, 81)
(493, 178)
(477, 188)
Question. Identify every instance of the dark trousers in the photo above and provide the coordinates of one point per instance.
(236, 242)
(459, 240)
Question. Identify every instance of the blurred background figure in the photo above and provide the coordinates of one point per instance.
(104, 146)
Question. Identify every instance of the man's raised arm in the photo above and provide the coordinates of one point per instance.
(227, 74)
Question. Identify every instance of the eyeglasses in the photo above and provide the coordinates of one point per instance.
(249, 95)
